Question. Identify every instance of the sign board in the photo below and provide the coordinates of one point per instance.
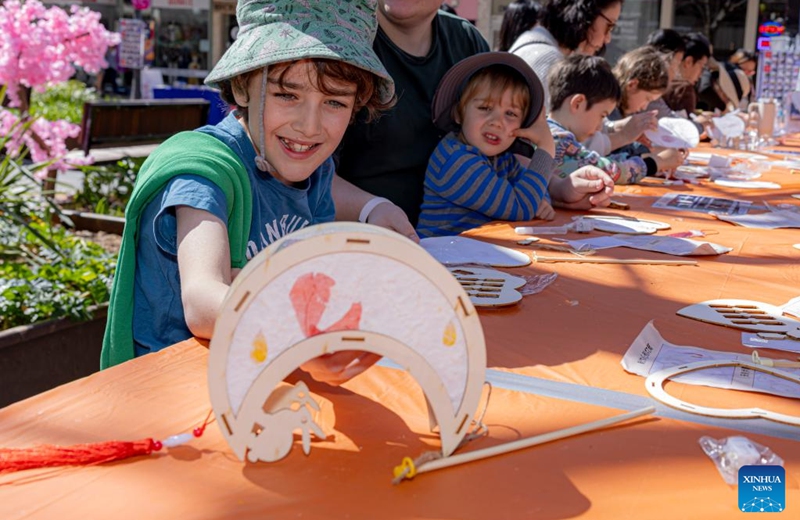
(182, 4)
(131, 49)
(82, 3)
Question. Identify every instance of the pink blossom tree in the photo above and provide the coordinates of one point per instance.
(41, 46)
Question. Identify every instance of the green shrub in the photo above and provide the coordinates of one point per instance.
(62, 101)
(106, 188)
(65, 280)
(45, 271)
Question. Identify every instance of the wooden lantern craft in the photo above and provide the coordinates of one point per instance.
(488, 287)
(334, 287)
(759, 317)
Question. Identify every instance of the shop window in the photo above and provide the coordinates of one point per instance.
(722, 21)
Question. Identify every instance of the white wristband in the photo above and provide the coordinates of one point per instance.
(369, 206)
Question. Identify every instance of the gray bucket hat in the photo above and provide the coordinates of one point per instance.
(288, 30)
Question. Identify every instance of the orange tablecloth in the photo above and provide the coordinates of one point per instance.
(574, 334)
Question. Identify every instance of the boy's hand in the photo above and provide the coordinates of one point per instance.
(633, 126)
(668, 159)
(539, 134)
(545, 211)
(585, 188)
(339, 367)
(392, 217)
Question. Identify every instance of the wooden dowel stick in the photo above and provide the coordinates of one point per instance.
(462, 458)
(584, 260)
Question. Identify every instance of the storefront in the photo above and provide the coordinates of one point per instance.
(177, 42)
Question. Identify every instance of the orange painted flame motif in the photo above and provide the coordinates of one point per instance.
(310, 295)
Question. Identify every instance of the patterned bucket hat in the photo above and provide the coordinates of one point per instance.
(287, 30)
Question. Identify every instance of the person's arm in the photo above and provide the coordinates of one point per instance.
(574, 156)
(204, 265)
(585, 188)
(351, 200)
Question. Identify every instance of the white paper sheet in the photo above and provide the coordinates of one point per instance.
(700, 158)
(674, 132)
(770, 220)
(626, 225)
(659, 244)
(702, 204)
(792, 307)
(650, 353)
(747, 184)
(753, 340)
(462, 250)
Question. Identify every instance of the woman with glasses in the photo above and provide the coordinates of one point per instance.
(567, 27)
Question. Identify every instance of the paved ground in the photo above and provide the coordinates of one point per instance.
(72, 180)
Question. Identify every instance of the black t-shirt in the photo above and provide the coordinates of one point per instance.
(388, 157)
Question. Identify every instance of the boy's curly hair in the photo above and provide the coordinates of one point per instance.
(327, 72)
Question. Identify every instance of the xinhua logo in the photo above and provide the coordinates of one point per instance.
(762, 489)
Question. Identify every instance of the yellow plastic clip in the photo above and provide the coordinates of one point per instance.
(407, 467)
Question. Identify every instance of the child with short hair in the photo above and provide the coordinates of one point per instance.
(643, 76)
(486, 102)
(584, 91)
(205, 202)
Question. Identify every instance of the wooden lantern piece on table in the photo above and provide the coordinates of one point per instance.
(335, 287)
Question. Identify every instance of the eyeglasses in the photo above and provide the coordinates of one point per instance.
(610, 25)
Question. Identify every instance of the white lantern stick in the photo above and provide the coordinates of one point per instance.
(408, 468)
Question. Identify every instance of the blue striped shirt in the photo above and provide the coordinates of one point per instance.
(465, 189)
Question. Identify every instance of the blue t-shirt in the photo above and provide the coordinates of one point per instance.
(278, 209)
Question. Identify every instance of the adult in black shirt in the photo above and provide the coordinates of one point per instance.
(388, 157)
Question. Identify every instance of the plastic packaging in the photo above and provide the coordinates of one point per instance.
(731, 453)
(537, 283)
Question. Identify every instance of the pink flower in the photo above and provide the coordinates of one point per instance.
(41, 46)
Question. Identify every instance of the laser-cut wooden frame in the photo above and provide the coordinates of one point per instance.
(746, 315)
(259, 430)
(655, 386)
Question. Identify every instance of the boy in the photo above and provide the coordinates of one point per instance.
(584, 91)
(486, 102)
(207, 201)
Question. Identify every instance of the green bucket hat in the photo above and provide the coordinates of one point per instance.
(287, 30)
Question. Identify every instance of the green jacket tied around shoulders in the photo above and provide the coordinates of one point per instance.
(192, 153)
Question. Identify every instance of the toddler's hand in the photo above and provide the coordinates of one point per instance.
(539, 134)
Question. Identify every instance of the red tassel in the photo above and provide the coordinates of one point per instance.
(48, 455)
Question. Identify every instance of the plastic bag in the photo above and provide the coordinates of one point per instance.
(731, 453)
